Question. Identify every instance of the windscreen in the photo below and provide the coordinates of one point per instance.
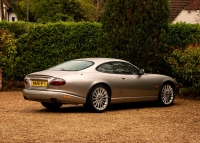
(74, 65)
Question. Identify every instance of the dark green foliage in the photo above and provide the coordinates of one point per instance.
(50, 44)
(135, 29)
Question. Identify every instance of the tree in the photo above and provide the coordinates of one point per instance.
(135, 29)
(100, 5)
(20, 7)
(55, 10)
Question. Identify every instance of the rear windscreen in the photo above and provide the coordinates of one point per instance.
(74, 65)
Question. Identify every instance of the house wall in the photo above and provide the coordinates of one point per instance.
(9, 16)
(5, 12)
(12, 16)
(0, 10)
(187, 16)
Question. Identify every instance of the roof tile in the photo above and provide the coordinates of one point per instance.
(176, 6)
(194, 5)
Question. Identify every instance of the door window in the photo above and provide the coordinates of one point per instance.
(124, 68)
(107, 68)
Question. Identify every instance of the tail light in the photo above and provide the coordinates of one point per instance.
(26, 83)
(58, 82)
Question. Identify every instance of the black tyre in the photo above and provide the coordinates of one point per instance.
(99, 99)
(50, 105)
(166, 95)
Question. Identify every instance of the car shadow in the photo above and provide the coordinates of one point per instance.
(135, 105)
(114, 107)
(65, 109)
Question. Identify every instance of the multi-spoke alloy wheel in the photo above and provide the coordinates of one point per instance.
(99, 98)
(166, 95)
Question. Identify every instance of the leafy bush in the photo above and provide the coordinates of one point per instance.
(7, 53)
(134, 30)
(185, 65)
(50, 44)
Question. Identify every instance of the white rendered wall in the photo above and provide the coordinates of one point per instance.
(12, 14)
(8, 16)
(192, 16)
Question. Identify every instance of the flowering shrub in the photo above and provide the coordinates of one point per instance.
(185, 66)
(7, 52)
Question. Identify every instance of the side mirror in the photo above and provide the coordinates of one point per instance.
(141, 71)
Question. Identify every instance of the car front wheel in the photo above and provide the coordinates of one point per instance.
(166, 95)
(50, 105)
(99, 98)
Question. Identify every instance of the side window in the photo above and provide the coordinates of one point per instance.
(107, 68)
(124, 68)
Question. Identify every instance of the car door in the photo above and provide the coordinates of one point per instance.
(132, 84)
(108, 76)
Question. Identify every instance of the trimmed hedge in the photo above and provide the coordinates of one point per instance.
(43, 46)
(50, 44)
(181, 35)
(18, 27)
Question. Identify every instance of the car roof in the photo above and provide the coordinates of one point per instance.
(101, 60)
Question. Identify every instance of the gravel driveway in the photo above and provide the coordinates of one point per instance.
(24, 121)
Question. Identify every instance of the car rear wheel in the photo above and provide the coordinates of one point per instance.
(99, 98)
(166, 95)
(50, 105)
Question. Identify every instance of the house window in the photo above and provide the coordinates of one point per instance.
(13, 18)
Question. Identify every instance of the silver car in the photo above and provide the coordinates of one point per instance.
(96, 83)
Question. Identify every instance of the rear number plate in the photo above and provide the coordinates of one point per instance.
(39, 83)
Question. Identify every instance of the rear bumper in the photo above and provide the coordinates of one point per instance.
(46, 96)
